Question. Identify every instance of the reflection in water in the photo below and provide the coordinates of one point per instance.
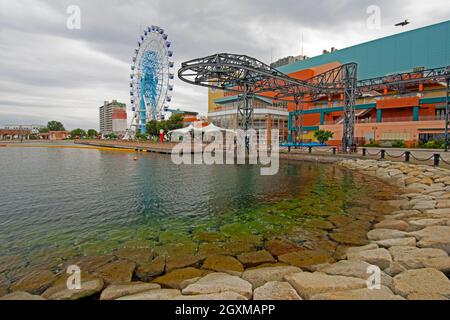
(60, 203)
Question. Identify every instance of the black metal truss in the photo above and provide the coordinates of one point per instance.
(249, 76)
(447, 115)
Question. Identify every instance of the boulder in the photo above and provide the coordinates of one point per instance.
(348, 238)
(443, 204)
(392, 224)
(34, 282)
(61, 292)
(119, 271)
(379, 257)
(423, 281)
(309, 284)
(178, 262)
(426, 296)
(440, 263)
(138, 255)
(411, 242)
(119, 290)
(227, 295)
(383, 234)
(306, 258)
(423, 223)
(369, 246)
(148, 270)
(92, 263)
(219, 282)
(278, 247)
(174, 278)
(357, 269)
(223, 263)
(383, 293)
(276, 290)
(21, 295)
(414, 258)
(259, 276)
(434, 237)
(251, 259)
(155, 294)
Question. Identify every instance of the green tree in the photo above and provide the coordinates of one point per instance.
(77, 133)
(43, 130)
(323, 136)
(152, 128)
(110, 136)
(92, 133)
(175, 121)
(55, 126)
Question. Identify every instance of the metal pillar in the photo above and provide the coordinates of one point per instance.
(245, 109)
(348, 135)
(447, 115)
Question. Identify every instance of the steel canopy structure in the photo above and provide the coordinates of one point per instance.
(248, 76)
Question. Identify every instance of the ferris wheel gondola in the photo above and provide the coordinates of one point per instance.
(151, 78)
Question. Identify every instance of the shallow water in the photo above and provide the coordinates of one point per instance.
(56, 204)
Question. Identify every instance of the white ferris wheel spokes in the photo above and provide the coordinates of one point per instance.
(151, 78)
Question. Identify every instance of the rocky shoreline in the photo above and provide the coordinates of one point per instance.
(409, 240)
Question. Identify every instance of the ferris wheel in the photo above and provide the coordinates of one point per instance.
(151, 78)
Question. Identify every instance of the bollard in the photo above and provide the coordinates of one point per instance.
(334, 150)
(289, 149)
(407, 156)
(364, 152)
(309, 149)
(382, 154)
(436, 157)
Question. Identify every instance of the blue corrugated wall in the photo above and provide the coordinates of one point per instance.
(427, 47)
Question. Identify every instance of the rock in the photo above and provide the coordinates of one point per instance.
(222, 263)
(426, 296)
(305, 258)
(425, 281)
(423, 223)
(383, 234)
(434, 237)
(397, 242)
(34, 282)
(310, 284)
(120, 271)
(257, 277)
(148, 270)
(438, 212)
(440, 263)
(251, 259)
(119, 290)
(383, 293)
(155, 294)
(187, 282)
(357, 269)
(276, 290)
(174, 278)
(279, 247)
(427, 180)
(227, 295)
(414, 258)
(348, 238)
(138, 255)
(61, 292)
(21, 295)
(443, 204)
(319, 224)
(392, 224)
(379, 257)
(340, 221)
(402, 214)
(219, 282)
(178, 262)
(369, 246)
(424, 205)
(92, 263)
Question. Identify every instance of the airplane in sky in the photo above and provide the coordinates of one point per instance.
(403, 23)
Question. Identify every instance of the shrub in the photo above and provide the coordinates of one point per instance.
(399, 144)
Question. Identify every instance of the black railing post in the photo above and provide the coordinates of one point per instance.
(382, 154)
(436, 157)
(289, 149)
(364, 152)
(309, 149)
(334, 150)
(407, 156)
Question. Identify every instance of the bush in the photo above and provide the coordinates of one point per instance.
(433, 144)
(399, 144)
(323, 136)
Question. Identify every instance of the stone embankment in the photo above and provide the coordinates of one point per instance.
(410, 245)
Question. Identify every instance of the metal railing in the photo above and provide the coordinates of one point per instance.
(407, 155)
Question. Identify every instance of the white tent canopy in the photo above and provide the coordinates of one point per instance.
(182, 131)
(211, 128)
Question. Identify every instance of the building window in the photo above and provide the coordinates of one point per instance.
(440, 114)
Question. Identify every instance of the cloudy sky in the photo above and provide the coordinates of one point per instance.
(48, 71)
